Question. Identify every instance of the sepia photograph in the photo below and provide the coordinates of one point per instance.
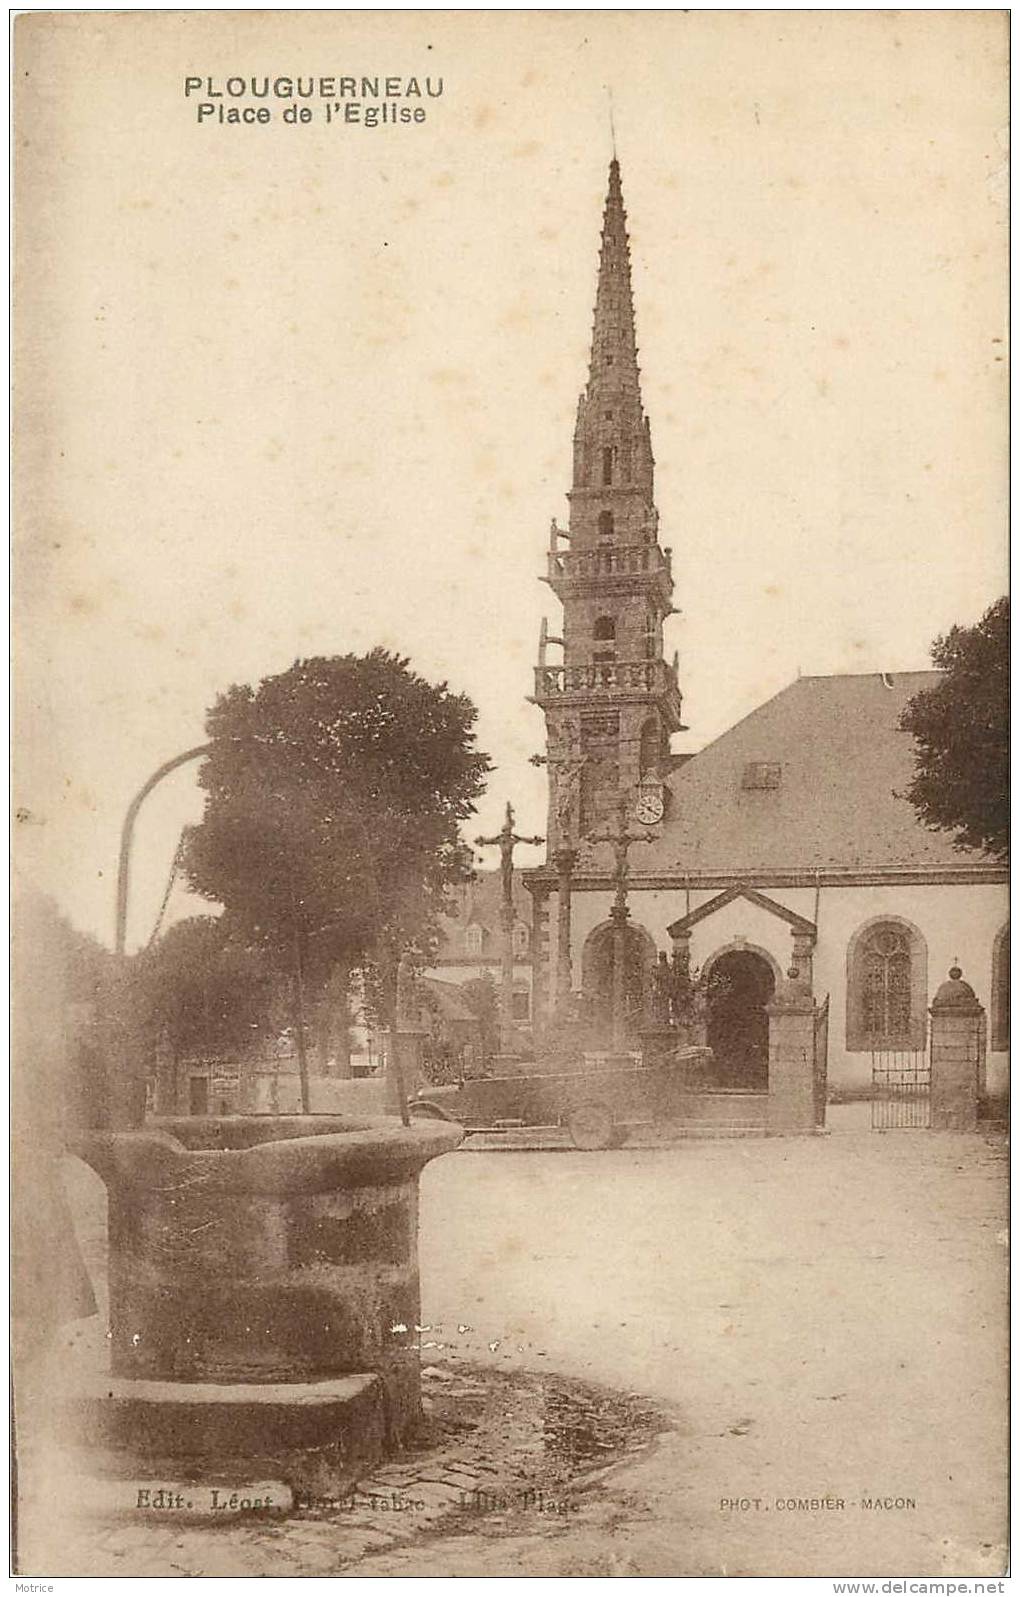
(511, 954)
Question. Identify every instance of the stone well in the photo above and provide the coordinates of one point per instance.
(263, 1288)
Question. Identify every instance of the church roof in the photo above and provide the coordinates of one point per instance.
(809, 781)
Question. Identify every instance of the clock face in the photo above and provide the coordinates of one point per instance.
(650, 809)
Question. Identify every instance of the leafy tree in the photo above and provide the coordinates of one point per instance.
(203, 992)
(334, 794)
(961, 728)
(482, 995)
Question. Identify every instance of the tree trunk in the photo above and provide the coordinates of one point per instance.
(299, 1022)
(246, 1104)
(167, 1061)
(323, 1034)
(341, 1012)
(332, 1023)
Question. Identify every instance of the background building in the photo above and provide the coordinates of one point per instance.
(471, 943)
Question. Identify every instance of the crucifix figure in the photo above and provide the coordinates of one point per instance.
(621, 839)
(506, 840)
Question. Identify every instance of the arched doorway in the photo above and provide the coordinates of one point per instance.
(597, 978)
(740, 982)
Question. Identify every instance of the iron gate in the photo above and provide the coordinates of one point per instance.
(900, 1089)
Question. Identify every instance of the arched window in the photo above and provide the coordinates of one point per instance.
(1000, 992)
(607, 465)
(473, 939)
(605, 523)
(887, 987)
(885, 995)
(604, 653)
(651, 747)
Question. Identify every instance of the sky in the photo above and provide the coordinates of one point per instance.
(287, 390)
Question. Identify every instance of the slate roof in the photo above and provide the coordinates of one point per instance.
(843, 762)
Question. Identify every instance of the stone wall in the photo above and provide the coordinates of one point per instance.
(955, 921)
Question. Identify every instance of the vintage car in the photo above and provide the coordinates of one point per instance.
(598, 1098)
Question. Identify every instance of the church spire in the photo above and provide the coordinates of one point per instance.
(614, 346)
(612, 445)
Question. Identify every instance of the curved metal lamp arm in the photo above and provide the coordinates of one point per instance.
(127, 832)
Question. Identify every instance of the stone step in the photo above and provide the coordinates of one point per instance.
(227, 1435)
(707, 1131)
(723, 1108)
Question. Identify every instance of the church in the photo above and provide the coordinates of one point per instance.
(782, 845)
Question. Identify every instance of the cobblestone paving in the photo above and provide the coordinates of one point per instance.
(498, 1448)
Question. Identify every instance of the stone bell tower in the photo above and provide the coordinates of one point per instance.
(609, 697)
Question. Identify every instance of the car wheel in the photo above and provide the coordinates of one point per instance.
(591, 1126)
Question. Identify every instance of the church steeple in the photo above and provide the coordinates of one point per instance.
(612, 702)
(614, 346)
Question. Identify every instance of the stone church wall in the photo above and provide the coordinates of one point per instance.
(956, 923)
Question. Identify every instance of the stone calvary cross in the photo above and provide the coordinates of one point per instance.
(507, 840)
(621, 839)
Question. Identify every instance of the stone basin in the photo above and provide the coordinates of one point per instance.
(265, 1153)
(266, 1251)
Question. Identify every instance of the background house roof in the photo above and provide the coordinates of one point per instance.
(834, 800)
(478, 903)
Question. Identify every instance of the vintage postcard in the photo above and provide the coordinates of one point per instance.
(511, 944)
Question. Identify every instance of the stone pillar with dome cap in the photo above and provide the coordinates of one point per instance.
(791, 1105)
(958, 1040)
